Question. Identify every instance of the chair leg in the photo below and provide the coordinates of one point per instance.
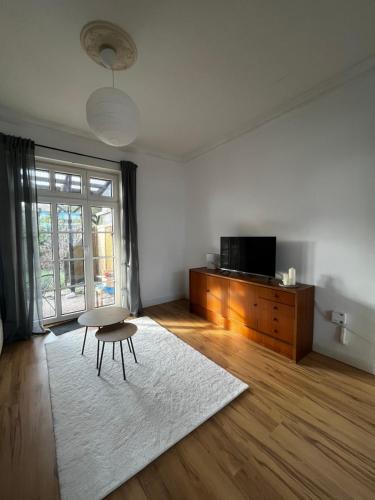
(113, 350)
(122, 359)
(101, 359)
(97, 356)
(135, 358)
(130, 349)
(84, 341)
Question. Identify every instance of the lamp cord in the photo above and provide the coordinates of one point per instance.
(113, 79)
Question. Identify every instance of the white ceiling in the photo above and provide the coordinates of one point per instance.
(207, 70)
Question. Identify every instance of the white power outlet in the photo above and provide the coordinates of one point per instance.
(339, 318)
(344, 336)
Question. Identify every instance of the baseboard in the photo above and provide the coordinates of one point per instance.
(347, 359)
(161, 300)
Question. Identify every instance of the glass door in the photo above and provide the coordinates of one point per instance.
(62, 259)
(78, 257)
(103, 255)
(46, 260)
(78, 221)
(70, 259)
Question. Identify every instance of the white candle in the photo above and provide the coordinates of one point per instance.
(292, 276)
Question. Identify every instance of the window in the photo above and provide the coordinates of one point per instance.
(103, 255)
(67, 183)
(71, 258)
(78, 240)
(100, 187)
(47, 271)
(42, 178)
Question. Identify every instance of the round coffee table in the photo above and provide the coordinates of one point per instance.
(113, 334)
(102, 317)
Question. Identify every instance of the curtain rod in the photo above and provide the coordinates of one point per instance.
(74, 153)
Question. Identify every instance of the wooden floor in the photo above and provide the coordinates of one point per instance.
(301, 431)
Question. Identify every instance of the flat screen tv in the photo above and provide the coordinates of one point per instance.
(250, 254)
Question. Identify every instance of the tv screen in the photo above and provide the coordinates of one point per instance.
(250, 254)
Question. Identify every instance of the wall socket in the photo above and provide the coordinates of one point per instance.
(344, 336)
(339, 318)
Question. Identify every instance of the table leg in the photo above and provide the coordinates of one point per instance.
(101, 359)
(131, 341)
(113, 350)
(97, 356)
(130, 349)
(84, 341)
(122, 359)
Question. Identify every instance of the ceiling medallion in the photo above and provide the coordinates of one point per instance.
(98, 35)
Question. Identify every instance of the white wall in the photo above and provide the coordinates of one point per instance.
(160, 206)
(308, 178)
(161, 228)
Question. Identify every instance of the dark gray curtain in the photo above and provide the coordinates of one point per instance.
(20, 299)
(130, 238)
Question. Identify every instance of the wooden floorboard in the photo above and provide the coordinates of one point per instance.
(300, 431)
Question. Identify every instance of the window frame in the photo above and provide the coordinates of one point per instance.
(85, 173)
(87, 201)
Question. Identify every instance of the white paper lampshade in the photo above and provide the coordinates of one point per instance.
(113, 116)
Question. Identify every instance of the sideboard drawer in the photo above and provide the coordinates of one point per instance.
(277, 320)
(276, 295)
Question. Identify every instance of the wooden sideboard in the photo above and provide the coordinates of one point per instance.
(280, 319)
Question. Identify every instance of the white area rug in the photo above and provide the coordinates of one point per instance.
(107, 429)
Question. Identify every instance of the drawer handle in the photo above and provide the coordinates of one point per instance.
(275, 330)
(255, 305)
(276, 295)
(207, 291)
(276, 308)
(275, 319)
